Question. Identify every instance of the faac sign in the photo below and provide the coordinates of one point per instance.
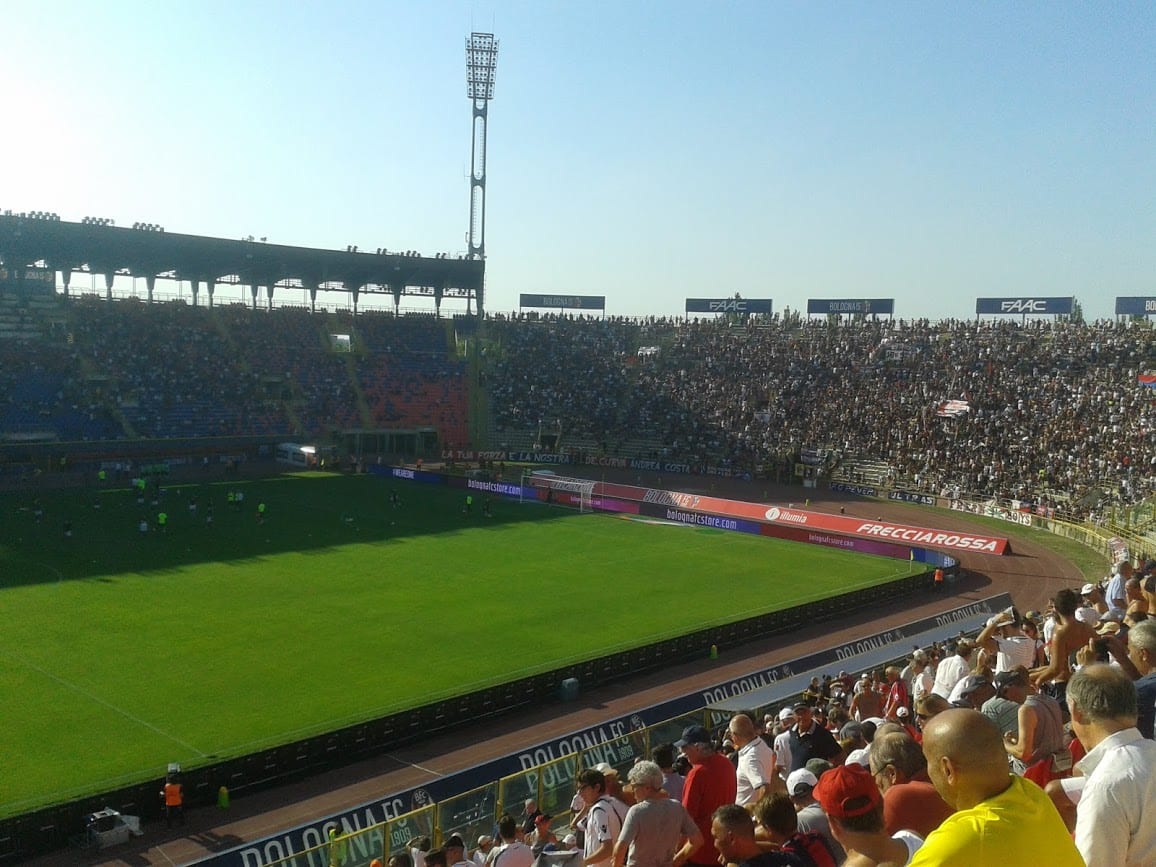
(732, 305)
(729, 305)
(1024, 306)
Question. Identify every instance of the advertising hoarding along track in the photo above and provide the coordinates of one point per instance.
(884, 531)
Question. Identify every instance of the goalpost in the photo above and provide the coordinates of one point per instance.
(551, 482)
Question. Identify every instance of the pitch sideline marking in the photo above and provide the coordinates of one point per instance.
(107, 704)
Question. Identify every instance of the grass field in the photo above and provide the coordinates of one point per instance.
(123, 651)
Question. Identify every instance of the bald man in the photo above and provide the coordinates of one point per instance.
(1000, 818)
(756, 767)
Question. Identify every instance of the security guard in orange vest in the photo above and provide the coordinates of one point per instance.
(174, 799)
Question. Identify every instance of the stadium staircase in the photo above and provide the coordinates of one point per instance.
(17, 321)
(643, 448)
(91, 374)
(859, 470)
(339, 322)
(479, 413)
(514, 441)
(288, 406)
(466, 345)
(351, 361)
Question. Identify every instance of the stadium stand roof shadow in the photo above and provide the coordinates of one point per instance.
(309, 513)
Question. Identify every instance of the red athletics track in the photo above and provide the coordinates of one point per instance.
(1032, 574)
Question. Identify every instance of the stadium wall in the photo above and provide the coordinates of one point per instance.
(54, 827)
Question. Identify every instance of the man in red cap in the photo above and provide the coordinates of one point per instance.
(854, 806)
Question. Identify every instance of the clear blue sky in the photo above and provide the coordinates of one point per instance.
(646, 151)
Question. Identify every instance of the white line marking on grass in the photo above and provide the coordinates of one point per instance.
(422, 768)
(112, 707)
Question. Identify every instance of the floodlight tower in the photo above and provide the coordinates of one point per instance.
(481, 63)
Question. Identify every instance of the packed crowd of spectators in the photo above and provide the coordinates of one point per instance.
(993, 747)
(1053, 408)
(1054, 413)
(40, 391)
(168, 369)
(119, 369)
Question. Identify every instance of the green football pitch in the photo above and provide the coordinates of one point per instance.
(122, 651)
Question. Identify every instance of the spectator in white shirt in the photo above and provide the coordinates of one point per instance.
(953, 668)
(1114, 817)
(1003, 637)
(756, 768)
(1116, 595)
(482, 853)
(783, 742)
(513, 852)
(601, 819)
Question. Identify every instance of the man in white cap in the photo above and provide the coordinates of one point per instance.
(613, 784)
(782, 745)
(800, 787)
(1003, 637)
(1094, 598)
(482, 853)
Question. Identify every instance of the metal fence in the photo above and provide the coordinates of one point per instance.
(551, 785)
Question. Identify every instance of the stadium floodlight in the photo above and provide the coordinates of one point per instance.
(481, 66)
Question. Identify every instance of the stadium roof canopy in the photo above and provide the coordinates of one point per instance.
(148, 252)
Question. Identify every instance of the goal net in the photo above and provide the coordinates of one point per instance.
(565, 490)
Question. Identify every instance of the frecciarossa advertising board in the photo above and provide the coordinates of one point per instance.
(883, 531)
